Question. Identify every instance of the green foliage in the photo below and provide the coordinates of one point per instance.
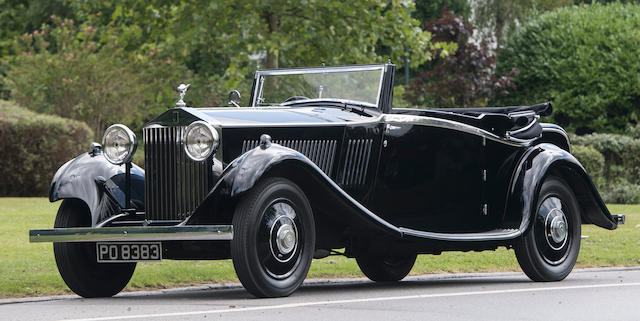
(231, 38)
(464, 78)
(583, 58)
(429, 10)
(18, 17)
(84, 79)
(633, 131)
(617, 150)
(613, 162)
(500, 17)
(590, 158)
(33, 147)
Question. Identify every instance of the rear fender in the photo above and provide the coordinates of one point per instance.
(245, 171)
(548, 159)
(98, 183)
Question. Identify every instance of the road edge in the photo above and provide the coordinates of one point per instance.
(308, 282)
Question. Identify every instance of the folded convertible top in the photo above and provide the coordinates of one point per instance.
(543, 109)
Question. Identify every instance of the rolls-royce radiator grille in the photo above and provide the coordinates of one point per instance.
(175, 184)
(356, 162)
(321, 152)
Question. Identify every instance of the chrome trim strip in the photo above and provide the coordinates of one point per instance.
(448, 124)
(380, 87)
(523, 141)
(495, 235)
(522, 113)
(302, 124)
(133, 233)
(318, 70)
(332, 100)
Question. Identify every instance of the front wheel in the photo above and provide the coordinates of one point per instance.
(274, 238)
(549, 250)
(77, 262)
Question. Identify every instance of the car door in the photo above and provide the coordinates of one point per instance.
(431, 178)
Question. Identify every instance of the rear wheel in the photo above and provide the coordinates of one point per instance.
(274, 238)
(77, 262)
(549, 250)
(386, 268)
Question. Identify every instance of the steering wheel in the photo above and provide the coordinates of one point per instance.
(293, 98)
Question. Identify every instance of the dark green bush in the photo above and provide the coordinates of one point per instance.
(633, 131)
(591, 159)
(618, 150)
(34, 146)
(583, 58)
(613, 163)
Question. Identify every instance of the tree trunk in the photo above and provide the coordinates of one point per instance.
(273, 21)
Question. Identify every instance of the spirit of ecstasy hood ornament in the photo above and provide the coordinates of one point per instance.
(183, 90)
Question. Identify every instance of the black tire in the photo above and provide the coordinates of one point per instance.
(386, 268)
(267, 264)
(77, 262)
(542, 257)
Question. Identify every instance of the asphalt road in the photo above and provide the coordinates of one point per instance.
(592, 294)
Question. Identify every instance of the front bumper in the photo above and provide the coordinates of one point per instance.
(133, 233)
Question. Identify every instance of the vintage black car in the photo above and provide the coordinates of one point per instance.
(318, 164)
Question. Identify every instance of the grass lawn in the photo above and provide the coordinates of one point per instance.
(29, 269)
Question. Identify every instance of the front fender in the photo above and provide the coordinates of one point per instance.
(540, 161)
(89, 178)
(245, 171)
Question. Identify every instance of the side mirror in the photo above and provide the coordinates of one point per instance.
(234, 98)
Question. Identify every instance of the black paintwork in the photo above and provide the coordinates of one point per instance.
(99, 184)
(418, 183)
(414, 173)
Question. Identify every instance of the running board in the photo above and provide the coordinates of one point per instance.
(495, 235)
(133, 233)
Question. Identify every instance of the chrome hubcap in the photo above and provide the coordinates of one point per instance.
(283, 234)
(553, 236)
(280, 239)
(286, 239)
(558, 229)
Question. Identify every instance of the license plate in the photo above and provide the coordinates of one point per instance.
(129, 252)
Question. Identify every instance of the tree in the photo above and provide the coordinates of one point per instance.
(498, 17)
(584, 59)
(83, 80)
(430, 10)
(18, 17)
(462, 79)
(217, 39)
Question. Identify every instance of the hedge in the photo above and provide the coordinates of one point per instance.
(34, 146)
(613, 162)
(617, 150)
(583, 58)
(591, 159)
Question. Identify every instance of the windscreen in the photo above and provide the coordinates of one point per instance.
(354, 85)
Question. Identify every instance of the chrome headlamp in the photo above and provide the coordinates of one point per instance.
(119, 144)
(200, 140)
